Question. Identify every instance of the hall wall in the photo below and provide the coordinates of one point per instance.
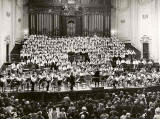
(136, 20)
(11, 15)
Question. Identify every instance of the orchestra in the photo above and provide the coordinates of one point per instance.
(45, 65)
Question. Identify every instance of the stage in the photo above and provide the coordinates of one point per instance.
(96, 93)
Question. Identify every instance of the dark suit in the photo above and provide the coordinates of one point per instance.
(97, 78)
(72, 81)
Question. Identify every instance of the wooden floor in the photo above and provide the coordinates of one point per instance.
(78, 87)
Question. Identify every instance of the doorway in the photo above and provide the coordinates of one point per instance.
(146, 50)
(7, 52)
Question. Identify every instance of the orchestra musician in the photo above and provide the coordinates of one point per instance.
(2, 82)
(59, 81)
(48, 80)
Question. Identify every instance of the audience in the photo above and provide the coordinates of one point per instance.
(123, 105)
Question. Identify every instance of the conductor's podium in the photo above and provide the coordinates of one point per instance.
(97, 88)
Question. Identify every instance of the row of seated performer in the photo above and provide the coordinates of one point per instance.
(54, 79)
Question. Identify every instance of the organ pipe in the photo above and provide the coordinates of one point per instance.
(49, 23)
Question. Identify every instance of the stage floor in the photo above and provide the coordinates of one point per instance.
(76, 88)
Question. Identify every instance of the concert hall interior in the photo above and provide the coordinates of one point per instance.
(79, 59)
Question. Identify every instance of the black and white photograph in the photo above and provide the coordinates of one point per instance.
(79, 59)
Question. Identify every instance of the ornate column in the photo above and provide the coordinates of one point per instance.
(158, 25)
(1, 43)
(19, 21)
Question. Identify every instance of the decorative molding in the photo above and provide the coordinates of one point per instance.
(8, 14)
(71, 1)
(123, 38)
(19, 20)
(123, 4)
(141, 2)
(145, 39)
(71, 9)
(145, 16)
(19, 3)
(123, 21)
(51, 3)
(7, 39)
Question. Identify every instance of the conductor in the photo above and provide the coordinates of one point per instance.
(97, 78)
(72, 81)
